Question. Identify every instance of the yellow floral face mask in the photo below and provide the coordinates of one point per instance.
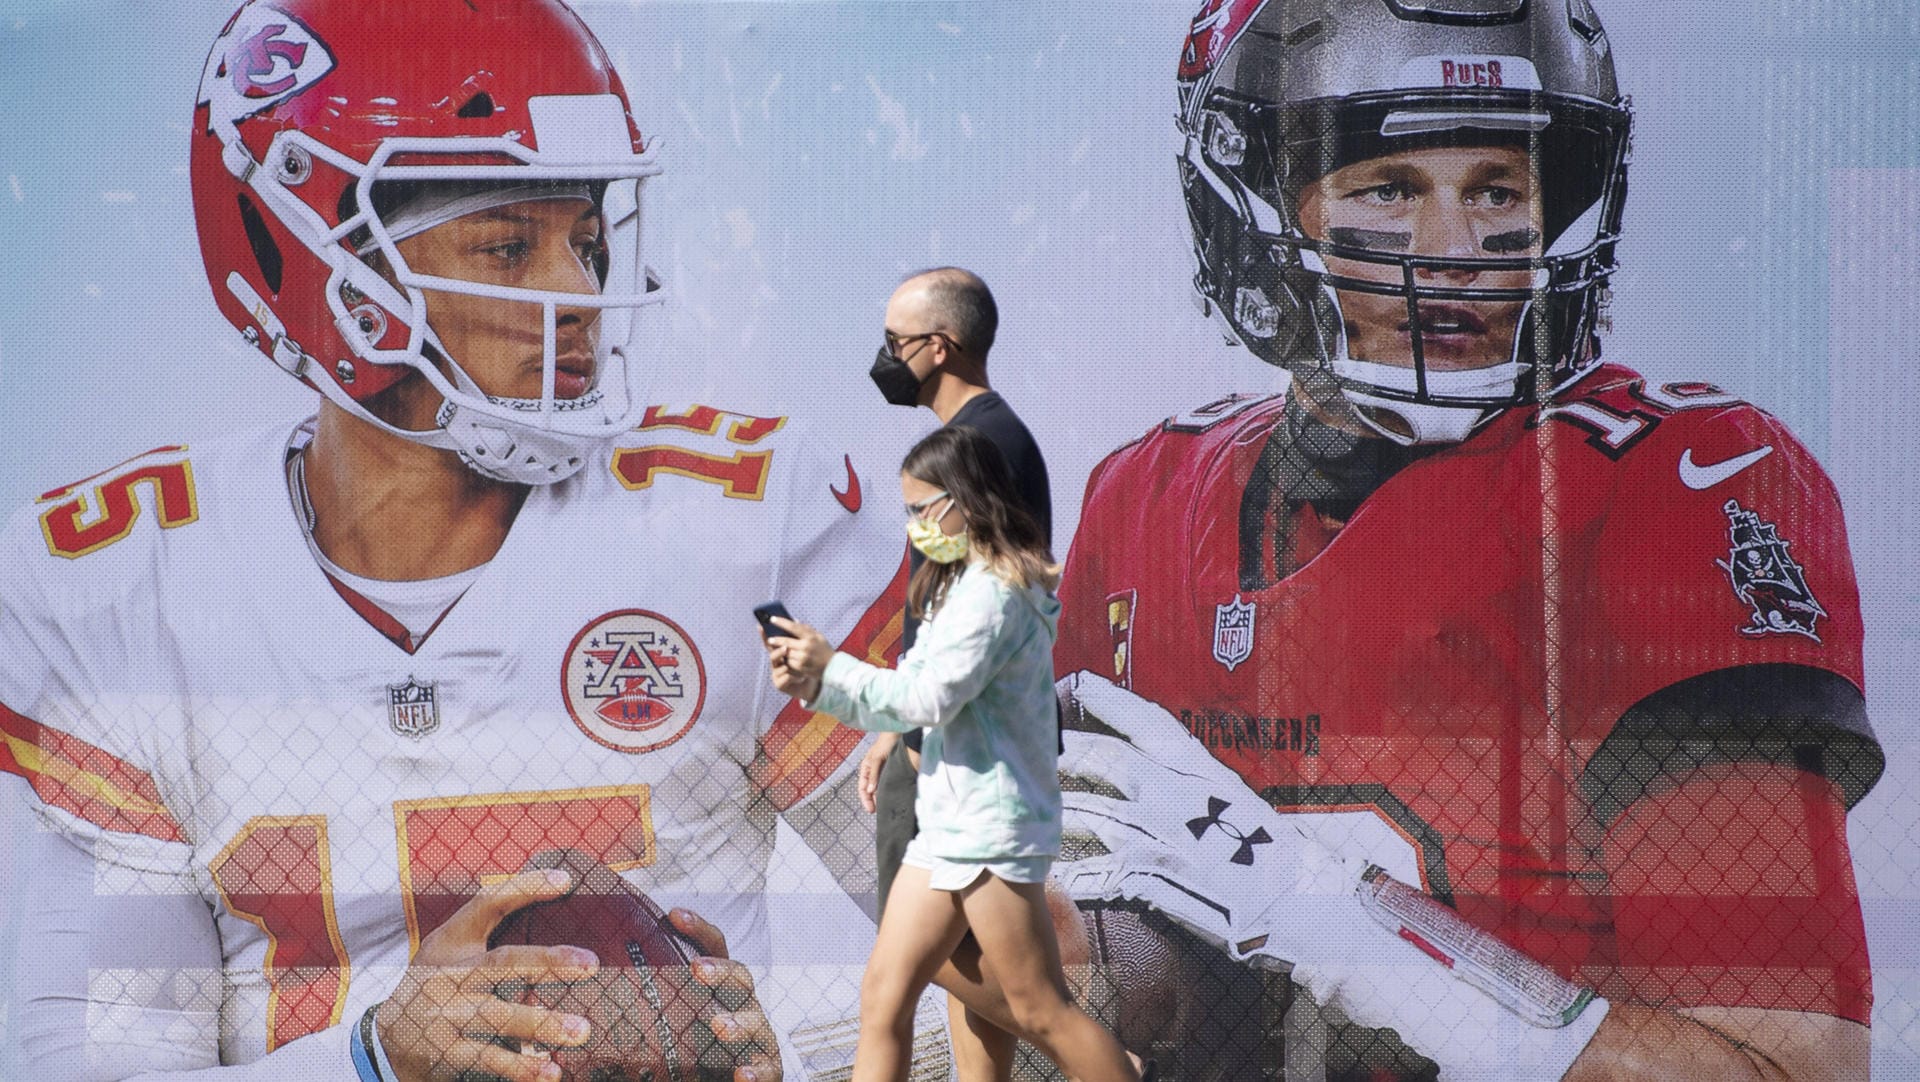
(925, 534)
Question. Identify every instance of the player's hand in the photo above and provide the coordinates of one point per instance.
(1180, 830)
(870, 764)
(741, 1027)
(1177, 829)
(443, 1017)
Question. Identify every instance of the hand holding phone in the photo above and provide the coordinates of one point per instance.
(765, 614)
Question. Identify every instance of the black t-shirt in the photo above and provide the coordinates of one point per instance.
(992, 416)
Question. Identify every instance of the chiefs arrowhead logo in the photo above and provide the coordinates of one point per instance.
(850, 499)
(254, 63)
(266, 56)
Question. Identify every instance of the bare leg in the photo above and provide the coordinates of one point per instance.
(968, 979)
(918, 932)
(1015, 931)
(982, 1051)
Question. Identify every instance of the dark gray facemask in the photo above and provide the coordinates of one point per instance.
(897, 383)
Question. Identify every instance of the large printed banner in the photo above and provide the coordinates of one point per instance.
(1476, 435)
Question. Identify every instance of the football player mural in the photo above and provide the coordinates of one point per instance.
(304, 713)
(1476, 693)
(1508, 702)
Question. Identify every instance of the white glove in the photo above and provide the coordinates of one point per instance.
(1321, 892)
(1183, 833)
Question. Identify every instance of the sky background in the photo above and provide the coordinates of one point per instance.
(817, 151)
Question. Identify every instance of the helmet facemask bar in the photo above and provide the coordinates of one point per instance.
(614, 403)
(587, 147)
(1516, 369)
(1248, 162)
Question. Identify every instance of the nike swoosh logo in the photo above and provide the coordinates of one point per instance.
(1700, 478)
(850, 499)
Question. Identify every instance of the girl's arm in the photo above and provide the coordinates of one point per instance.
(950, 664)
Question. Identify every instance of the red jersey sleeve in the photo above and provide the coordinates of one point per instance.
(1093, 634)
(1718, 592)
(1723, 545)
(1734, 888)
(1714, 689)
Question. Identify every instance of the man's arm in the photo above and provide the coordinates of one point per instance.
(1733, 887)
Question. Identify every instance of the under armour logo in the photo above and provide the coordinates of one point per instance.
(1242, 855)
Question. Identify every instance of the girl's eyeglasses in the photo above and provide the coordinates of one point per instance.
(920, 509)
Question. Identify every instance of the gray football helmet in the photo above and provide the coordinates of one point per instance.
(1275, 94)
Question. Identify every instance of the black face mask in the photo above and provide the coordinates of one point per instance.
(897, 383)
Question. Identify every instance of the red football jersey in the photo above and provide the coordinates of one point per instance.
(1455, 657)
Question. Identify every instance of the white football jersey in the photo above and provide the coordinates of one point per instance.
(186, 692)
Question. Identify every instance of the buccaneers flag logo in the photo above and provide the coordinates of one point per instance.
(1766, 578)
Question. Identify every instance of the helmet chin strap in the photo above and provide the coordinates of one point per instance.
(492, 447)
(1403, 423)
(1410, 423)
(522, 454)
(516, 454)
(1340, 385)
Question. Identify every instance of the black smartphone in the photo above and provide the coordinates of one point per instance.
(765, 614)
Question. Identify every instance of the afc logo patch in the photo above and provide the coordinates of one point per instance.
(633, 681)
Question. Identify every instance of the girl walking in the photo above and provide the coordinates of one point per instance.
(979, 680)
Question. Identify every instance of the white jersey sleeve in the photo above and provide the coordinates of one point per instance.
(88, 706)
(97, 1000)
(118, 967)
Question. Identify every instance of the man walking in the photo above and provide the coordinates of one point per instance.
(940, 323)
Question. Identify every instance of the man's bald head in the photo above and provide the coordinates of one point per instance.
(957, 303)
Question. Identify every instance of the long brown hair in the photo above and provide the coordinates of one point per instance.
(961, 460)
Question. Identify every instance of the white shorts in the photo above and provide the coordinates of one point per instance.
(946, 874)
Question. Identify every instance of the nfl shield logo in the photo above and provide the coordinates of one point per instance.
(1232, 633)
(411, 709)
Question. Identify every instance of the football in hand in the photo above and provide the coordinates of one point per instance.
(1168, 995)
(649, 1015)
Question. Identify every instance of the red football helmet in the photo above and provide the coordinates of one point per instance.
(316, 118)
